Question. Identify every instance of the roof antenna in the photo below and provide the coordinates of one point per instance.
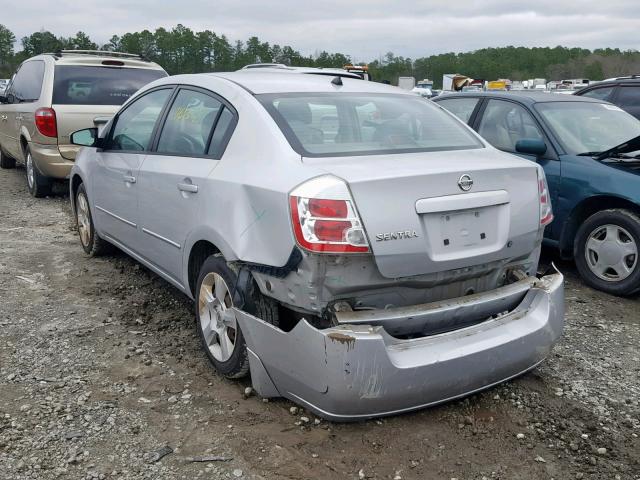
(337, 81)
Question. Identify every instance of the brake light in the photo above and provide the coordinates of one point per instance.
(324, 217)
(546, 213)
(46, 124)
(328, 208)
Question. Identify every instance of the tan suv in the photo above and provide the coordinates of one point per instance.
(52, 95)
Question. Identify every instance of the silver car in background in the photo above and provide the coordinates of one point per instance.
(360, 251)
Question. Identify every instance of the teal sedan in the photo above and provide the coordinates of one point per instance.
(590, 152)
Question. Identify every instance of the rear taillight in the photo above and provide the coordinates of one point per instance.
(324, 217)
(46, 122)
(546, 213)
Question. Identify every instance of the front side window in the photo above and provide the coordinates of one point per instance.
(343, 124)
(603, 93)
(27, 84)
(93, 85)
(189, 123)
(134, 125)
(583, 127)
(503, 123)
(460, 107)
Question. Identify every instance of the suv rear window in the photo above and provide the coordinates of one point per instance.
(87, 85)
(344, 124)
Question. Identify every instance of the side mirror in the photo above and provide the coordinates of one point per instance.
(87, 137)
(3, 99)
(531, 146)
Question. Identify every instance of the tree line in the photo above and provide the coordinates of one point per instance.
(182, 50)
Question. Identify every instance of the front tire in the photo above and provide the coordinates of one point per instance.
(91, 242)
(606, 251)
(6, 161)
(39, 186)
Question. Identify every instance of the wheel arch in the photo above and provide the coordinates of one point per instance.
(75, 182)
(200, 251)
(584, 210)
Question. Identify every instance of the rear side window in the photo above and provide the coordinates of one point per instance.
(197, 124)
(603, 93)
(189, 123)
(221, 134)
(134, 125)
(93, 85)
(27, 83)
(629, 96)
(460, 107)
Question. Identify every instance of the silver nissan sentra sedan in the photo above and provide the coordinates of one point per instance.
(357, 249)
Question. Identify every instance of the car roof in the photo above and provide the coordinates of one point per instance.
(85, 58)
(278, 67)
(260, 81)
(526, 97)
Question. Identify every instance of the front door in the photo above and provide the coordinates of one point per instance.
(115, 191)
(503, 123)
(172, 177)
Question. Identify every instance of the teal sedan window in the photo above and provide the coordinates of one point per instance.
(588, 127)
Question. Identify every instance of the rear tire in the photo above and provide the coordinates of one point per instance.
(216, 322)
(6, 161)
(39, 186)
(606, 251)
(92, 244)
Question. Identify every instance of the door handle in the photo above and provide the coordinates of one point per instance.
(129, 179)
(19, 117)
(188, 187)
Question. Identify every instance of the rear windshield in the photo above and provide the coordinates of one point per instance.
(344, 124)
(85, 85)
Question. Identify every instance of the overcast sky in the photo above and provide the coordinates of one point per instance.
(363, 29)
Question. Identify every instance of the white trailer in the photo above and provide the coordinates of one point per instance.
(407, 83)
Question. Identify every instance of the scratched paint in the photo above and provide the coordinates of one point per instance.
(258, 217)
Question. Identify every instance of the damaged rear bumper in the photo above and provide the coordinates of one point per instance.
(358, 370)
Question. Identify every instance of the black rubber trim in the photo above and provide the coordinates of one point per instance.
(278, 272)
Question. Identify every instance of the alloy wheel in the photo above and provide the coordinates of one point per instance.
(84, 220)
(30, 171)
(611, 253)
(217, 318)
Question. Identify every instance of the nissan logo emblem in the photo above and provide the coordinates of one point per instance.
(465, 183)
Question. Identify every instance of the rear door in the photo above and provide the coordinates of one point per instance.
(115, 191)
(189, 145)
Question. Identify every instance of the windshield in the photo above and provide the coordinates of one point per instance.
(583, 127)
(88, 85)
(343, 124)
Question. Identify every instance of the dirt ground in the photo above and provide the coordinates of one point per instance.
(100, 371)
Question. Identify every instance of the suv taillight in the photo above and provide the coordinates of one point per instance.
(46, 122)
(546, 213)
(324, 217)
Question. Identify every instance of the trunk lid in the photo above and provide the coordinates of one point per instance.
(420, 221)
(76, 117)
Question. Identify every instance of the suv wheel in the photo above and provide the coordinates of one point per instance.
(216, 322)
(39, 185)
(606, 251)
(6, 161)
(91, 242)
